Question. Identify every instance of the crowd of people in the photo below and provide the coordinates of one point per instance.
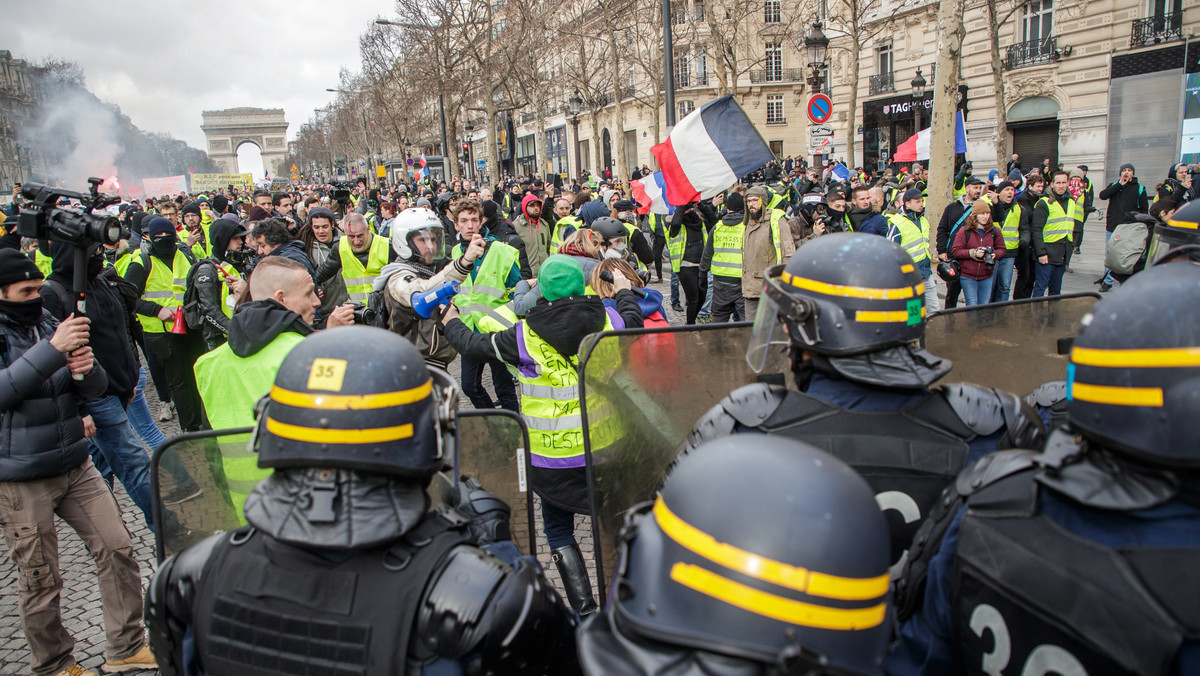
(224, 303)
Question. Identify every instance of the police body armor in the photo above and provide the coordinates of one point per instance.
(278, 609)
(906, 456)
(1028, 597)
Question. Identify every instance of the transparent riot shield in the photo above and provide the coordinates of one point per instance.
(1015, 346)
(491, 447)
(642, 391)
(212, 462)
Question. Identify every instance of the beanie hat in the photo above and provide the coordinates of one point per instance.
(560, 277)
(1005, 184)
(912, 194)
(220, 203)
(980, 207)
(1126, 166)
(258, 213)
(193, 208)
(1015, 175)
(735, 202)
(1076, 173)
(16, 267)
(160, 226)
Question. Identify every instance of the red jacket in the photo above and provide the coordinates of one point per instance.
(967, 239)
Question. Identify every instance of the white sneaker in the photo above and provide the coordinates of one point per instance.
(164, 412)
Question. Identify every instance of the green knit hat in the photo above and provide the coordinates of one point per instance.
(560, 276)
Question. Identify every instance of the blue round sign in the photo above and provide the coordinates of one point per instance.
(820, 108)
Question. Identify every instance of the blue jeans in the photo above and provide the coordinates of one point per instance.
(558, 525)
(706, 309)
(674, 289)
(1048, 278)
(141, 419)
(976, 291)
(119, 446)
(1002, 278)
(1108, 278)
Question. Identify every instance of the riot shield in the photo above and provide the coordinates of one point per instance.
(1015, 346)
(491, 447)
(642, 391)
(205, 460)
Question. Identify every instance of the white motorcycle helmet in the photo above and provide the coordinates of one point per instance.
(418, 235)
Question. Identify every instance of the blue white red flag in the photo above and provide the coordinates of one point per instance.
(651, 194)
(708, 151)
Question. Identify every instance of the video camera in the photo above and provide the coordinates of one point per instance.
(340, 192)
(42, 218)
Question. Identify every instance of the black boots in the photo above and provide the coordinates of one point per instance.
(569, 562)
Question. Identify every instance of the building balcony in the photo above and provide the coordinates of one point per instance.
(1156, 29)
(1031, 53)
(881, 84)
(772, 121)
(769, 75)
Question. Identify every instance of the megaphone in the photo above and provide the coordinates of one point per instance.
(179, 328)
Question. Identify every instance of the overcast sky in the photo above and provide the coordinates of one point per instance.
(165, 61)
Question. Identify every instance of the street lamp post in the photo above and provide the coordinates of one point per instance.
(470, 128)
(816, 44)
(918, 92)
(574, 105)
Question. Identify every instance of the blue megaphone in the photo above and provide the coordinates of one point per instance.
(425, 303)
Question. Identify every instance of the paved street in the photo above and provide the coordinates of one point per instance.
(80, 603)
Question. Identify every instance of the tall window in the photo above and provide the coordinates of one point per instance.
(678, 13)
(701, 62)
(683, 70)
(775, 109)
(698, 11)
(686, 107)
(774, 62)
(771, 11)
(1037, 20)
(884, 59)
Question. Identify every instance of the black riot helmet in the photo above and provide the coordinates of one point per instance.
(1177, 238)
(609, 228)
(1134, 379)
(855, 299)
(357, 398)
(793, 581)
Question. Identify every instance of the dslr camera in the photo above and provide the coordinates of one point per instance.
(42, 218)
(989, 255)
(363, 315)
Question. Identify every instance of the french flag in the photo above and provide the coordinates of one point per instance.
(708, 150)
(651, 194)
(917, 146)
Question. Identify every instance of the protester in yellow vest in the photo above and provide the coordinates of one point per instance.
(43, 262)
(219, 282)
(768, 242)
(198, 237)
(233, 377)
(566, 223)
(544, 349)
(723, 257)
(488, 287)
(160, 276)
(1051, 228)
(1014, 225)
(361, 255)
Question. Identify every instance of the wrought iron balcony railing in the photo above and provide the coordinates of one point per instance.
(882, 83)
(1156, 29)
(1032, 52)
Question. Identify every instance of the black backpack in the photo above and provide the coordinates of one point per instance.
(377, 303)
(193, 316)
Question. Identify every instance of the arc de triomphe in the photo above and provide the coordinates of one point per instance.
(225, 130)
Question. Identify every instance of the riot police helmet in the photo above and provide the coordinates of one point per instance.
(1177, 238)
(609, 228)
(418, 235)
(357, 398)
(1134, 378)
(793, 581)
(857, 301)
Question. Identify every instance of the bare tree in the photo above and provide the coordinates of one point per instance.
(860, 21)
(995, 21)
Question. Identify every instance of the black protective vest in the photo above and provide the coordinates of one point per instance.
(906, 456)
(1032, 598)
(268, 608)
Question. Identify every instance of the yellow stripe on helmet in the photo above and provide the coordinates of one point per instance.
(341, 402)
(324, 435)
(1168, 357)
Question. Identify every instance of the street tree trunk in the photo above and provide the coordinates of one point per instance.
(945, 105)
(852, 106)
(1002, 152)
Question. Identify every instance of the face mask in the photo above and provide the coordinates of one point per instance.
(613, 252)
(164, 246)
(28, 313)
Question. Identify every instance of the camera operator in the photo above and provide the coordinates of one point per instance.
(45, 470)
(233, 377)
